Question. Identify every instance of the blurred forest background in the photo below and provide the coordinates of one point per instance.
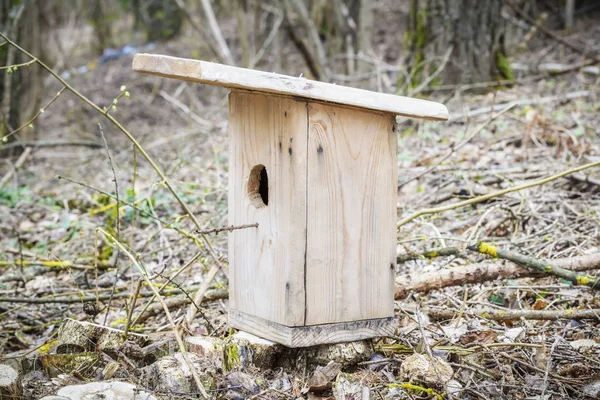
(520, 78)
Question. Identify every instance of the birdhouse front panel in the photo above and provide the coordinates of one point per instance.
(351, 217)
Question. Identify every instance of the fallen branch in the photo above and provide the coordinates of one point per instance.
(441, 252)
(512, 315)
(230, 228)
(177, 302)
(211, 295)
(53, 264)
(185, 109)
(535, 264)
(51, 143)
(481, 272)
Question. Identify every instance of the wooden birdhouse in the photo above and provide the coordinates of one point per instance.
(315, 165)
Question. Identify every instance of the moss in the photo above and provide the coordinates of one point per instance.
(586, 280)
(105, 253)
(503, 66)
(47, 347)
(231, 356)
(411, 387)
(488, 249)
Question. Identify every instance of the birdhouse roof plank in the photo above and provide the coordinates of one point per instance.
(268, 82)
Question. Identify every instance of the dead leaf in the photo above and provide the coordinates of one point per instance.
(540, 304)
(540, 357)
(322, 378)
(478, 337)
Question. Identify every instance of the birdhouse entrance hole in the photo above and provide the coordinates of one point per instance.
(258, 186)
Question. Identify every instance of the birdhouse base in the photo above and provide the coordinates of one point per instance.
(305, 336)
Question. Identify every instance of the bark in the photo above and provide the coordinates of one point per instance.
(474, 29)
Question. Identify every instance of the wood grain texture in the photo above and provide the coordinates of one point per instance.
(305, 336)
(241, 78)
(267, 263)
(351, 214)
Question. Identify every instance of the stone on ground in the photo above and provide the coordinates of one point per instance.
(420, 368)
(108, 390)
(79, 336)
(345, 388)
(172, 374)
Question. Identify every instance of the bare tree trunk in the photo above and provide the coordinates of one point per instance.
(475, 30)
(31, 87)
(20, 91)
(101, 26)
(365, 32)
(242, 32)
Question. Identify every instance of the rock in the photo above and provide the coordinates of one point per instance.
(172, 374)
(159, 349)
(205, 346)
(592, 389)
(345, 389)
(377, 361)
(322, 378)
(113, 390)
(10, 386)
(454, 387)
(244, 349)
(85, 363)
(583, 345)
(419, 368)
(245, 382)
(132, 350)
(234, 395)
(35, 385)
(344, 353)
(282, 384)
(78, 337)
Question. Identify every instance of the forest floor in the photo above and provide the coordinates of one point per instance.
(546, 126)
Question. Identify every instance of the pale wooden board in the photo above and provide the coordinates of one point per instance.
(234, 77)
(305, 336)
(267, 263)
(351, 217)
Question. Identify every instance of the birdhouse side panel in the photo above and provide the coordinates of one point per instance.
(267, 139)
(351, 228)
